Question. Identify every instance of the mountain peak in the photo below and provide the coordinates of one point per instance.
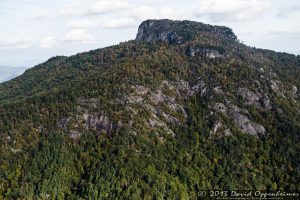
(144, 119)
(177, 32)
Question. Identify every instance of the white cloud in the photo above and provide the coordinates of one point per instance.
(78, 36)
(285, 34)
(143, 12)
(71, 9)
(117, 23)
(15, 44)
(81, 24)
(107, 6)
(231, 10)
(103, 22)
(167, 12)
(49, 42)
(149, 12)
(100, 7)
(42, 15)
(288, 8)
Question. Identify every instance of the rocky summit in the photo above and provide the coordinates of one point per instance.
(184, 107)
(178, 32)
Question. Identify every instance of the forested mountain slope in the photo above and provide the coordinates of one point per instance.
(184, 107)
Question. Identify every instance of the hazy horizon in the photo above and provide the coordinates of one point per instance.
(8, 73)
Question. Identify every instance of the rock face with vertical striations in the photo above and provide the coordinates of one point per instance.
(178, 32)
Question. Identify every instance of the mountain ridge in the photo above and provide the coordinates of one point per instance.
(212, 48)
(183, 108)
(189, 24)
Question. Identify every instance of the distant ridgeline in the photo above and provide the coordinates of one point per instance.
(182, 108)
(7, 73)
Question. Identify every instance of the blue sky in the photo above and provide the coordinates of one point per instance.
(34, 30)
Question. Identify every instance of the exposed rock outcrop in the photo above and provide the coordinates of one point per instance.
(203, 52)
(220, 107)
(218, 90)
(155, 122)
(87, 117)
(99, 123)
(246, 126)
(239, 118)
(191, 90)
(74, 134)
(255, 98)
(276, 86)
(178, 32)
(220, 129)
(294, 91)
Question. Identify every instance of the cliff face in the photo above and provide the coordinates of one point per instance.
(178, 32)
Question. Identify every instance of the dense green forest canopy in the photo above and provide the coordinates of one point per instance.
(185, 107)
